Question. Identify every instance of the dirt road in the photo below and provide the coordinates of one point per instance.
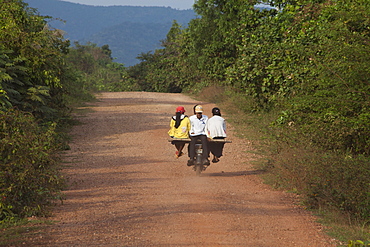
(128, 189)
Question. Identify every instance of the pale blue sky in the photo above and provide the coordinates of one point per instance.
(176, 4)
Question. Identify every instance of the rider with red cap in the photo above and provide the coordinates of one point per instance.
(179, 128)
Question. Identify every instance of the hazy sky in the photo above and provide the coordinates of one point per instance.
(176, 4)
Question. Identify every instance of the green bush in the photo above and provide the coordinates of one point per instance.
(96, 72)
(324, 178)
(29, 175)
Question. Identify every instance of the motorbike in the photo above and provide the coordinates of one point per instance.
(198, 166)
(198, 161)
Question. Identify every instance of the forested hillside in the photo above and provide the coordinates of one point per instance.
(301, 72)
(128, 40)
(128, 30)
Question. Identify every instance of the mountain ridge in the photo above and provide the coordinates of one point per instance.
(97, 24)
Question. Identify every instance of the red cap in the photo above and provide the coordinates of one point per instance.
(180, 109)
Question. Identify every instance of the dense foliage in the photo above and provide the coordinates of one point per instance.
(307, 63)
(29, 176)
(97, 70)
(31, 59)
(32, 86)
(41, 77)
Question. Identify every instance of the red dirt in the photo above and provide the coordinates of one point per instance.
(128, 189)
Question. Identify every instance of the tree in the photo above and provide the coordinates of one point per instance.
(31, 76)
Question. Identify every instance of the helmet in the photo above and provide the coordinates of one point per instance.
(180, 109)
(198, 108)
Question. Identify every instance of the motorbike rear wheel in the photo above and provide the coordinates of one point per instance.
(198, 169)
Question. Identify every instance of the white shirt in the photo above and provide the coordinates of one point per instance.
(198, 126)
(216, 127)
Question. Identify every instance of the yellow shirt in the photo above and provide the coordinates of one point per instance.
(182, 131)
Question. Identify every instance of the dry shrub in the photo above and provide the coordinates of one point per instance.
(213, 93)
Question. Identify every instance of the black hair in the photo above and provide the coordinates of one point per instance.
(216, 111)
(178, 119)
(194, 108)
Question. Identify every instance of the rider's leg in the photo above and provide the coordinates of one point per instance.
(191, 149)
(193, 140)
(179, 147)
(205, 155)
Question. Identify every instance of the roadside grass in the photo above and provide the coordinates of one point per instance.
(341, 227)
(17, 232)
(334, 186)
(83, 107)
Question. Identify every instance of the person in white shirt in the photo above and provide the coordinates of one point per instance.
(197, 132)
(216, 129)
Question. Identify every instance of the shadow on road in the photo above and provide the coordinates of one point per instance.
(233, 174)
